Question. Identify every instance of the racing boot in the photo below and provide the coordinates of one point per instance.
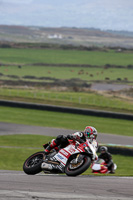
(50, 147)
(112, 171)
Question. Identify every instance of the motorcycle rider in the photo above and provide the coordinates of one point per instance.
(91, 134)
(107, 157)
(62, 141)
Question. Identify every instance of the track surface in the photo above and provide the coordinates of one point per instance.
(9, 128)
(19, 186)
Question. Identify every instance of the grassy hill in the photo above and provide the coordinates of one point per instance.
(63, 35)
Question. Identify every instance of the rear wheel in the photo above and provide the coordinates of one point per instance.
(32, 165)
(73, 169)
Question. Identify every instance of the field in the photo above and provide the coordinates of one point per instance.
(56, 56)
(96, 59)
(39, 73)
(30, 144)
(63, 70)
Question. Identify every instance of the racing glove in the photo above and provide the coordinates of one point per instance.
(71, 137)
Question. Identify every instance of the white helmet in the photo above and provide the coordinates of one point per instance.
(90, 132)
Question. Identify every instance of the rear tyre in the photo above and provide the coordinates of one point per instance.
(32, 165)
(79, 168)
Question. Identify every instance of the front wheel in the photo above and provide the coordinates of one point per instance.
(78, 168)
(32, 165)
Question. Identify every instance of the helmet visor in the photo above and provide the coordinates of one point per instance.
(87, 134)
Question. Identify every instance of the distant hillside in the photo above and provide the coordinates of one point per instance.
(121, 33)
(64, 35)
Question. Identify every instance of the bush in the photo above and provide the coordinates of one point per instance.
(130, 66)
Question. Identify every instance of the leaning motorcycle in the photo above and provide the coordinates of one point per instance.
(72, 160)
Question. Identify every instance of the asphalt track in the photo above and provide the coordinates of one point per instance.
(19, 186)
(9, 129)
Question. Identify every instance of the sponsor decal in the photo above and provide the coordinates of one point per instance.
(60, 157)
(71, 149)
(65, 153)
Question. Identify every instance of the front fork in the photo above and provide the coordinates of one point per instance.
(78, 158)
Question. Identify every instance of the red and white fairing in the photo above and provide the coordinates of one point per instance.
(63, 155)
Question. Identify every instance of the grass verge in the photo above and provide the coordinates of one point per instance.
(74, 99)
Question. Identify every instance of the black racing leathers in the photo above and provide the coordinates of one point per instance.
(107, 157)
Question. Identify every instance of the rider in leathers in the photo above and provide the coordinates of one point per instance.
(107, 157)
(62, 141)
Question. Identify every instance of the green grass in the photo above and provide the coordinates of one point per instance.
(74, 99)
(65, 120)
(67, 72)
(19, 147)
(97, 58)
(13, 158)
(34, 141)
(64, 56)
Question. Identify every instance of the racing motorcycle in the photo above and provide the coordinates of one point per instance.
(99, 166)
(72, 160)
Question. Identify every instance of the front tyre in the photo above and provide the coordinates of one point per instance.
(77, 169)
(32, 165)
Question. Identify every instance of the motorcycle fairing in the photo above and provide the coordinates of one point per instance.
(63, 155)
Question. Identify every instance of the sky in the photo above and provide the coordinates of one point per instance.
(101, 14)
